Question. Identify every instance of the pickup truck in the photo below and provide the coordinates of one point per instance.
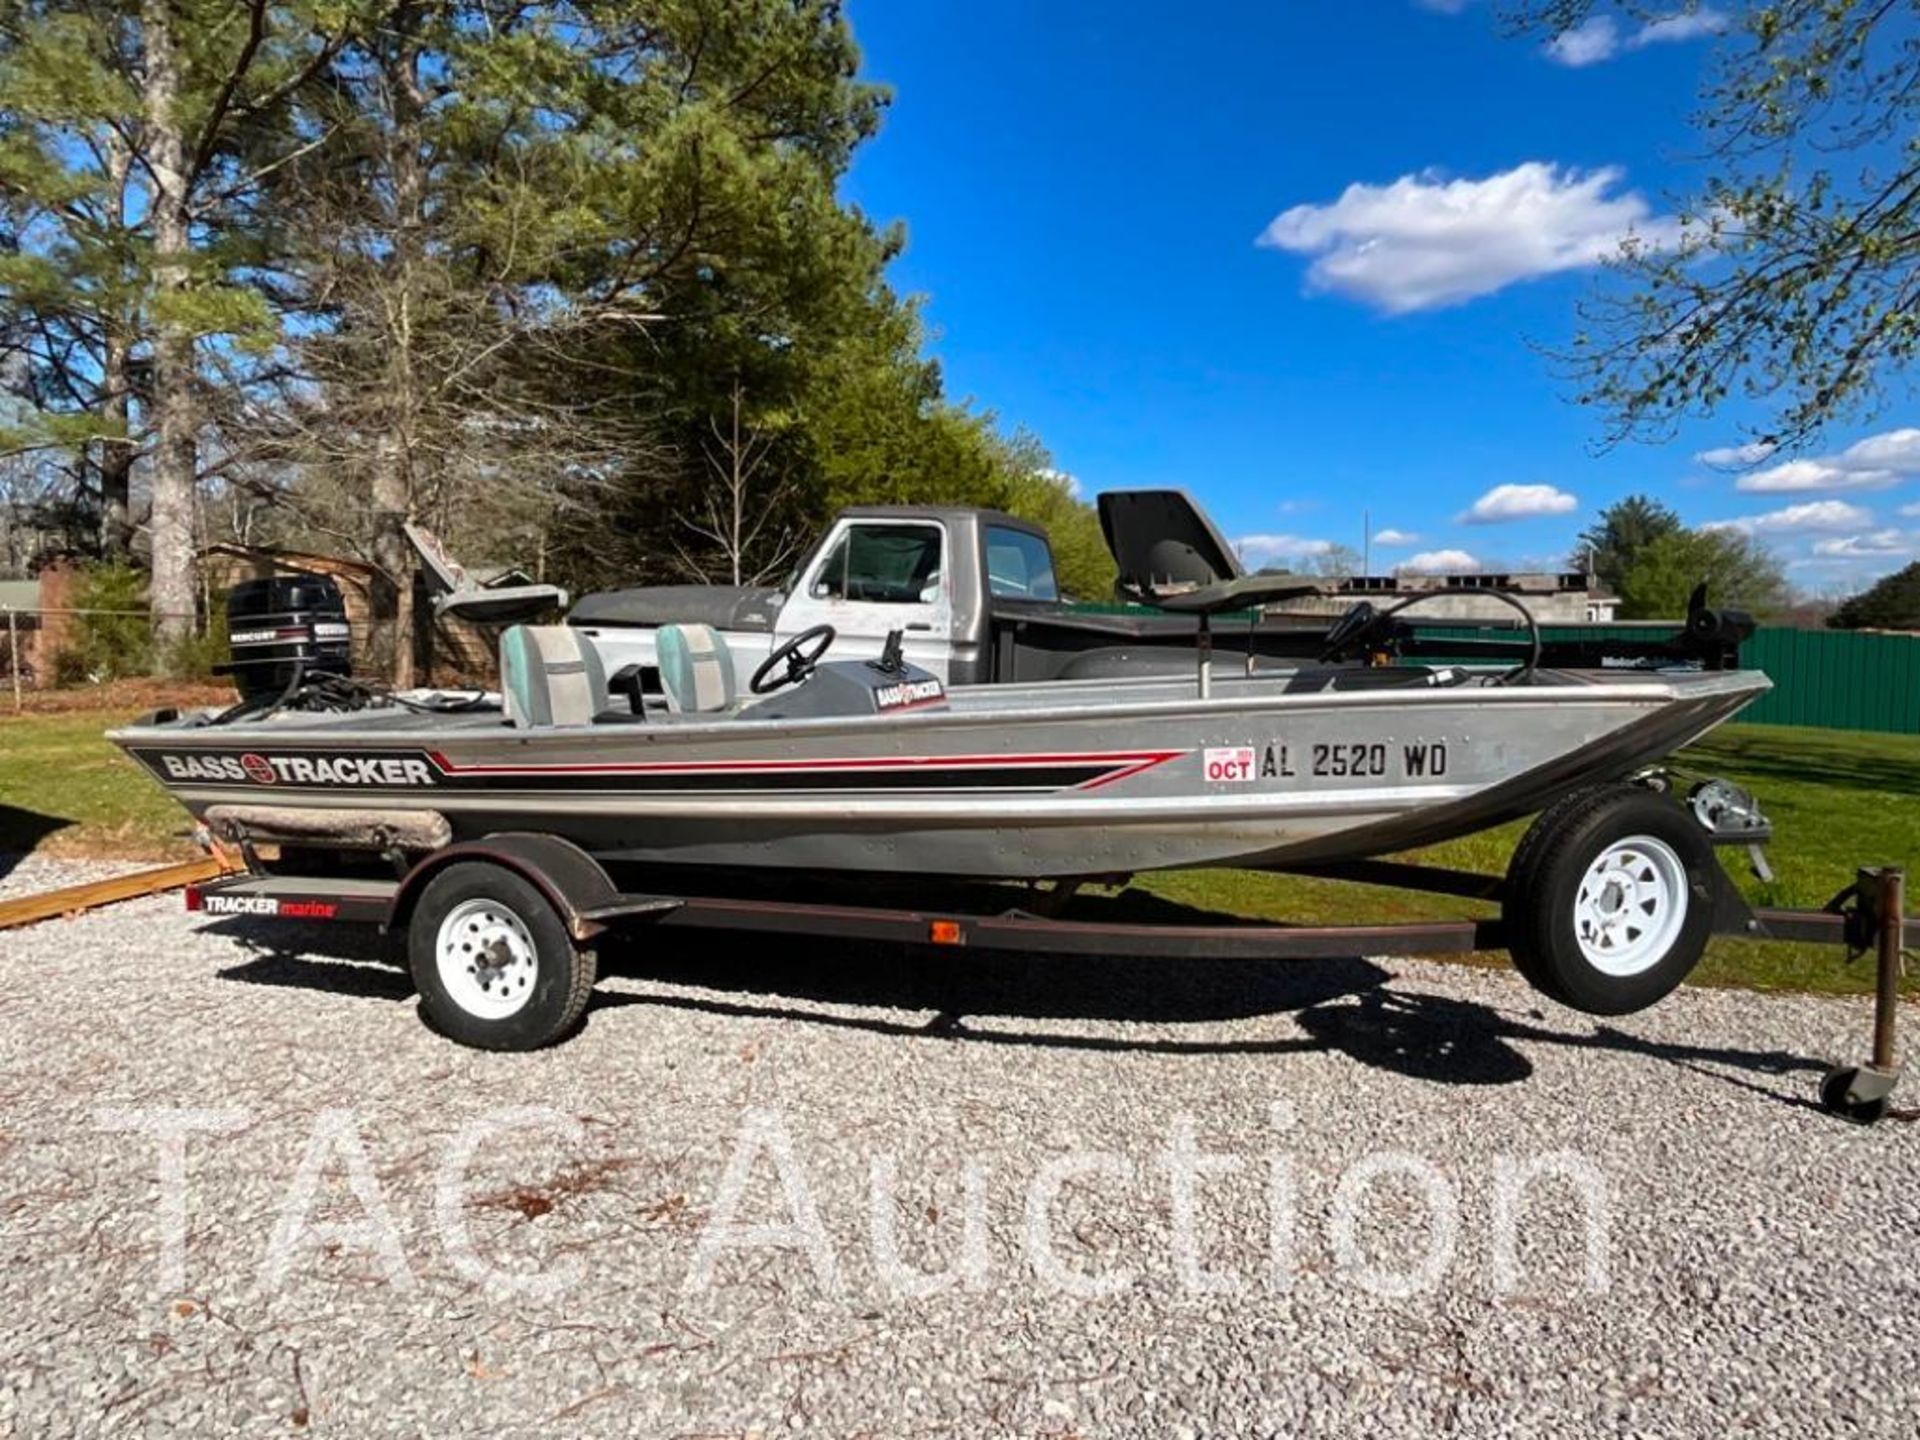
(972, 592)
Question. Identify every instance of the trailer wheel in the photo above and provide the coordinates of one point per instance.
(493, 962)
(1607, 903)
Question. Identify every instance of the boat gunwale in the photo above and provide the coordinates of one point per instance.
(1692, 685)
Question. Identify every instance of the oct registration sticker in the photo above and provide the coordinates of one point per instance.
(1230, 766)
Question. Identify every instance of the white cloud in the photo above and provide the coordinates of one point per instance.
(1392, 537)
(1873, 464)
(1826, 474)
(1686, 25)
(1813, 515)
(1588, 43)
(1912, 512)
(1870, 464)
(1880, 542)
(1518, 502)
(1599, 37)
(1430, 562)
(1425, 241)
(1263, 549)
(1065, 479)
(1736, 457)
(1445, 7)
(1896, 450)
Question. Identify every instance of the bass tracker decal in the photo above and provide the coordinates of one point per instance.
(413, 770)
(407, 770)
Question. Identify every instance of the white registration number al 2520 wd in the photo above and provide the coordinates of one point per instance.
(1328, 760)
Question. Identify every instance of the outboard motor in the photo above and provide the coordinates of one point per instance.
(284, 628)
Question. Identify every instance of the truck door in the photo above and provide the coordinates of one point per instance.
(876, 576)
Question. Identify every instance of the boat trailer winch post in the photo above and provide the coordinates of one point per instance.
(1863, 1093)
(1891, 960)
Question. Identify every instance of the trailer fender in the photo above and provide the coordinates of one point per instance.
(571, 879)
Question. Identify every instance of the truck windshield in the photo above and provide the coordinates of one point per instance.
(891, 564)
(1019, 565)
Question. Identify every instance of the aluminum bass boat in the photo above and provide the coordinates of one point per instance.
(853, 766)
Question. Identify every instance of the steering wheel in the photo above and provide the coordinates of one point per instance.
(802, 654)
(1354, 622)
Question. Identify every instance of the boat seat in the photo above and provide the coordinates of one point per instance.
(696, 669)
(551, 675)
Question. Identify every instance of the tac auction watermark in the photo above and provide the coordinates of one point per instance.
(766, 1200)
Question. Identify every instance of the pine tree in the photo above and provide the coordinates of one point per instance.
(132, 142)
(1892, 603)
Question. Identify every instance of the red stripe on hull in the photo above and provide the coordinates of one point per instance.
(1131, 762)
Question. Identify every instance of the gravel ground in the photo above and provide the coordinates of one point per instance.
(1758, 1267)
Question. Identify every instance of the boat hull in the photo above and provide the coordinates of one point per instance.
(1011, 782)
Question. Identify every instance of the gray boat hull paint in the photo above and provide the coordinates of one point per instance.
(1038, 781)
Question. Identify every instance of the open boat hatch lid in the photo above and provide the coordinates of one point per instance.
(1170, 555)
(1161, 540)
(455, 592)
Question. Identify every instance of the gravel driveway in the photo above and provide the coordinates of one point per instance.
(1422, 1201)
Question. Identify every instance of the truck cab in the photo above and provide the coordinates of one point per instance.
(933, 573)
(974, 596)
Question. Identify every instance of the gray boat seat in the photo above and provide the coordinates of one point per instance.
(551, 675)
(696, 670)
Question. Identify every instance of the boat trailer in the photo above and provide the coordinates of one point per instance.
(1868, 917)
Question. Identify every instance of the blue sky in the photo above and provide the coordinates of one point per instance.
(1087, 184)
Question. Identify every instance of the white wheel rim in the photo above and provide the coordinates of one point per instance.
(1631, 906)
(487, 959)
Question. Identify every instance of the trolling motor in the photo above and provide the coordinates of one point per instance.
(1710, 639)
(1713, 637)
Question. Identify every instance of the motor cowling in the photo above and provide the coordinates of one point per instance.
(285, 628)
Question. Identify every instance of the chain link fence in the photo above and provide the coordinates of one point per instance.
(34, 638)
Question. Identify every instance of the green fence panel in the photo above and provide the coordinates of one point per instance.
(1830, 679)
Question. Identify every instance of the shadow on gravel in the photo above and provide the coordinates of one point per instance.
(1341, 1005)
(1338, 1005)
(342, 960)
(1430, 1037)
(22, 830)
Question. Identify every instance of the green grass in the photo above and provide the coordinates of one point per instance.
(66, 791)
(1837, 799)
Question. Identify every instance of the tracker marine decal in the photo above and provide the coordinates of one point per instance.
(212, 902)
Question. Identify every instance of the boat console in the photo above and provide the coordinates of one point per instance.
(808, 689)
(853, 688)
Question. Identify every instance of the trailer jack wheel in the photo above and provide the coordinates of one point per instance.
(1860, 1093)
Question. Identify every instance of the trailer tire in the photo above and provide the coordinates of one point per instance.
(1608, 900)
(493, 962)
